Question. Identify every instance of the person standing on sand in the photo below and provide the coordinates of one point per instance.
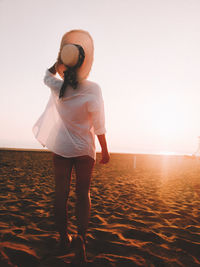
(67, 127)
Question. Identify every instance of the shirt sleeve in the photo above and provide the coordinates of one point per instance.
(96, 109)
(52, 82)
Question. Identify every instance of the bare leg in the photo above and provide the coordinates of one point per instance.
(62, 169)
(83, 168)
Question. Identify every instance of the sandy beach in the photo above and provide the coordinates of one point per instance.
(143, 216)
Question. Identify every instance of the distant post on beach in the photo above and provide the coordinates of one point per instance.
(197, 153)
(134, 162)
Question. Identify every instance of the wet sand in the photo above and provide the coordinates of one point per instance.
(147, 216)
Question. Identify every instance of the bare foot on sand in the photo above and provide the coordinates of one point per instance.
(65, 243)
(64, 246)
(78, 246)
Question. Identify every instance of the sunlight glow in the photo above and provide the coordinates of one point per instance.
(146, 63)
(167, 153)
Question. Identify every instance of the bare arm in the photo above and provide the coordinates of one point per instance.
(104, 150)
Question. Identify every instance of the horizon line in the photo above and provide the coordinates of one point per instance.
(161, 153)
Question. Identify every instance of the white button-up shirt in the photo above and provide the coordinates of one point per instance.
(68, 125)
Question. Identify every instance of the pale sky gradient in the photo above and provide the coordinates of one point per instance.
(147, 62)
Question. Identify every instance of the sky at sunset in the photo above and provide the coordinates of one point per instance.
(147, 62)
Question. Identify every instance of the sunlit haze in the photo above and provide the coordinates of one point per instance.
(147, 62)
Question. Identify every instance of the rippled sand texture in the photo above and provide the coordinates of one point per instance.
(148, 216)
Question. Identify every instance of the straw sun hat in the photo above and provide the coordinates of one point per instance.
(69, 53)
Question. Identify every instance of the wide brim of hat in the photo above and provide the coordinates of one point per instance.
(83, 39)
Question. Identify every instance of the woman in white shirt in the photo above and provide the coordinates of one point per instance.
(72, 118)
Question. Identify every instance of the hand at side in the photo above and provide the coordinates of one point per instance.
(104, 150)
